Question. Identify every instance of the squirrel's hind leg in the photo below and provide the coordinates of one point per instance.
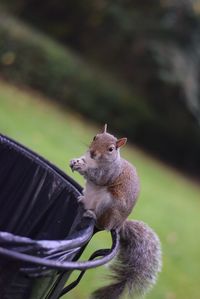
(110, 219)
(90, 214)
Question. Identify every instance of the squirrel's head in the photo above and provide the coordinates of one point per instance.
(105, 147)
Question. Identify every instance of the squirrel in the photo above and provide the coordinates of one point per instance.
(111, 191)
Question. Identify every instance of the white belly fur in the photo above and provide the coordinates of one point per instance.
(96, 197)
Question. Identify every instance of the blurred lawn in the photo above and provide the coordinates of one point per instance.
(168, 202)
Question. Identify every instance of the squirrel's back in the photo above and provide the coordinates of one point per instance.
(127, 185)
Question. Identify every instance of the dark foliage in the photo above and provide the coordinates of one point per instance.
(150, 45)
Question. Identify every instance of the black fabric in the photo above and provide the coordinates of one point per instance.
(36, 201)
(40, 216)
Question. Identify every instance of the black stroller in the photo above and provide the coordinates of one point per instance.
(42, 228)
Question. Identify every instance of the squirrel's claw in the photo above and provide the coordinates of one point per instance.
(81, 198)
(71, 165)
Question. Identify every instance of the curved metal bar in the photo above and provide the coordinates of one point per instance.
(72, 285)
(65, 265)
(77, 239)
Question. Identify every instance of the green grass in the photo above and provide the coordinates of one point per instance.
(169, 203)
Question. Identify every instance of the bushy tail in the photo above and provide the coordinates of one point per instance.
(137, 264)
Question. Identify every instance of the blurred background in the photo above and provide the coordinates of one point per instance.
(67, 67)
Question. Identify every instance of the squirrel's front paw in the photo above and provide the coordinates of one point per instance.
(78, 165)
(81, 198)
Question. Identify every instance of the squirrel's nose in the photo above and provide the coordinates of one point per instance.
(92, 154)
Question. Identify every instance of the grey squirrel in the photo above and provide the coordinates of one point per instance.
(111, 191)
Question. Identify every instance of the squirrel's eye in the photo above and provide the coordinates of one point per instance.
(111, 148)
(94, 138)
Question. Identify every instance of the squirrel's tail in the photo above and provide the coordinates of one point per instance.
(137, 264)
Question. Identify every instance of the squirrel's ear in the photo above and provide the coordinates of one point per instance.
(121, 142)
(104, 129)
